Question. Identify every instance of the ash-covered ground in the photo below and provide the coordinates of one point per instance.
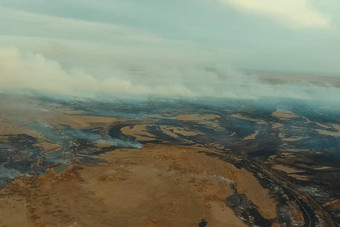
(207, 162)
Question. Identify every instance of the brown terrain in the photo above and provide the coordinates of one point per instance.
(158, 185)
(155, 186)
(170, 181)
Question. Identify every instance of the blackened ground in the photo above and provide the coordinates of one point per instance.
(246, 210)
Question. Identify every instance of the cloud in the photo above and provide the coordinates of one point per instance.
(39, 25)
(292, 13)
(99, 48)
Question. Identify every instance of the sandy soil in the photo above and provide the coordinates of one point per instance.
(140, 132)
(156, 186)
(197, 117)
(335, 133)
(277, 125)
(13, 212)
(283, 114)
(47, 146)
(289, 139)
(209, 120)
(17, 112)
(252, 136)
(81, 121)
(258, 121)
(174, 131)
(299, 177)
(334, 205)
(286, 169)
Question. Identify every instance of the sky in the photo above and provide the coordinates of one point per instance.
(186, 48)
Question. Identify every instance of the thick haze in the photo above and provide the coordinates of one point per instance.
(187, 48)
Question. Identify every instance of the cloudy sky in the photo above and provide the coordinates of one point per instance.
(185, 48)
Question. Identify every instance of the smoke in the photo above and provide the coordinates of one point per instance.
(64, 135)
(34, 72)
(6, 173)
(26, 71)
(94, 137)
(54, 55)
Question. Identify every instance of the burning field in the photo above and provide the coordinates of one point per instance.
(86, 163)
